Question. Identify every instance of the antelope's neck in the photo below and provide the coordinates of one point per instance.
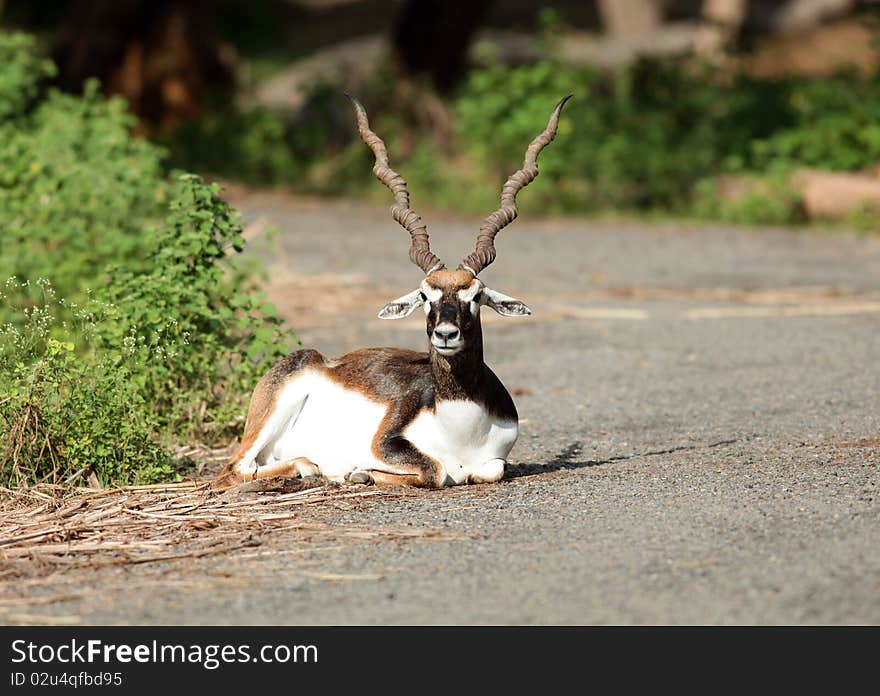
(460, 376)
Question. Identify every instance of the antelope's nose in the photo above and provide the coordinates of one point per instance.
(446, 332)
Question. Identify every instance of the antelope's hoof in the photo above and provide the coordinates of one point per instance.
(490, 472)
(305, 468)
(359, 477)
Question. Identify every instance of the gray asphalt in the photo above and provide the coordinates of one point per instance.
(699, 444)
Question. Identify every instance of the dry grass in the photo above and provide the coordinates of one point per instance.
(50, 546)
(146, 524)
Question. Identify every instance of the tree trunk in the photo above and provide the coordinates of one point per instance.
(432, 37)
(160, 54)
(722, 21)
(630, 17)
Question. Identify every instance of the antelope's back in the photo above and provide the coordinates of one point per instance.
(385, 374)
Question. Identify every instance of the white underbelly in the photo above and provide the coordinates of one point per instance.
(462, 436)
(335, 429)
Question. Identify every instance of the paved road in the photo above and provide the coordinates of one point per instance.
(700, 433)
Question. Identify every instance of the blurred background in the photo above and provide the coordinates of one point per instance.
(747, 111)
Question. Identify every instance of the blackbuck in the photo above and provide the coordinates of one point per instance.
(390, 415)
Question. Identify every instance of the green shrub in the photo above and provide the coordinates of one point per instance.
(257, 145)
(70, 407)
(641, 140)
(154, 358)
(23, 72)
(644, 139)
(658, 133)
(76, 190)
(161, 332)
(757, 199)
(249, 145)
(835, 124)
(203, 331)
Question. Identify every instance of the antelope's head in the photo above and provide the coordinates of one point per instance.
(452, 299)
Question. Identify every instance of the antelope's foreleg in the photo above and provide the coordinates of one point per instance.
(408, 465)
(411, 467)
(382, 478)
(289, 468)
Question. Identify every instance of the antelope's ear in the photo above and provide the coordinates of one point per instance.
(504, 305)
(402, 306)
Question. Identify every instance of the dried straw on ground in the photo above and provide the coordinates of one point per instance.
(145, 524)
(46, 541)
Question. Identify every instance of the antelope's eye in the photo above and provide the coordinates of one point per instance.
(478, 297)
(423, 296)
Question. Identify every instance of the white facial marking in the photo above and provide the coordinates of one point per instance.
(469, 295)
(431, 295)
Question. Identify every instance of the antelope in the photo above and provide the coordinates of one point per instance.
(390, 415)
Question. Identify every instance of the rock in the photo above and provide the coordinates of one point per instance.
(837, 194)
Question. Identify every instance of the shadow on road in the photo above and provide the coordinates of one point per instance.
(567, 459)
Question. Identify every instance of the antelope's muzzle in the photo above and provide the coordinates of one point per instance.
(446, 339)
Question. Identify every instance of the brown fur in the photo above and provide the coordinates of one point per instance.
(381, 478)
(450, 281)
